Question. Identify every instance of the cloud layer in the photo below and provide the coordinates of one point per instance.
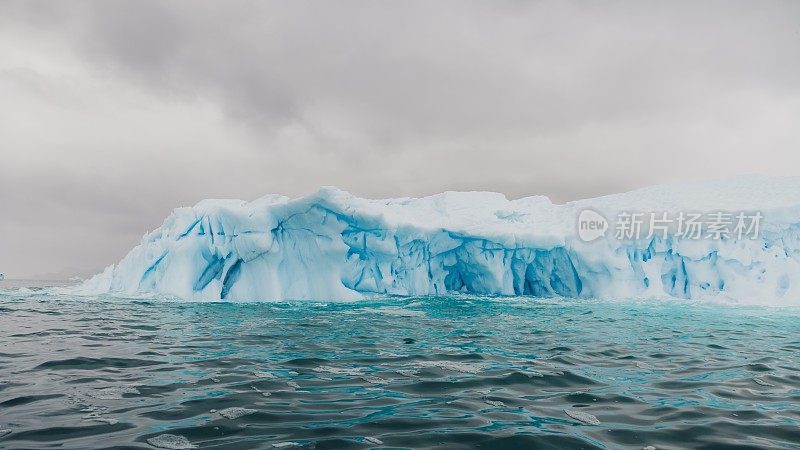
(114, 112)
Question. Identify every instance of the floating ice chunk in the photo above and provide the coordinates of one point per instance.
(236, 412)
(170, 441)
(373, 440)
(582, 416)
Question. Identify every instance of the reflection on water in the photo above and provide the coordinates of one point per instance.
(396, 373)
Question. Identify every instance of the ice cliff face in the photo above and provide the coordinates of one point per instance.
(332, 245)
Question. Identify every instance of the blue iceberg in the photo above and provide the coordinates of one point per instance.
(332, 245)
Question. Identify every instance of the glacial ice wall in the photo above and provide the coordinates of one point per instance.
(332, 245)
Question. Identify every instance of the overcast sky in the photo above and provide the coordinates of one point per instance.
(114, 112)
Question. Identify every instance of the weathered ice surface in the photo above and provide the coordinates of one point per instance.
(334, 246)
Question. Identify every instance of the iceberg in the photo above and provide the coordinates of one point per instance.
(332, 245)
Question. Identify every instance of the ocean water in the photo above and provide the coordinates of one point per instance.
(444, 373)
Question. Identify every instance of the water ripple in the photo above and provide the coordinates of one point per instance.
(401, 373)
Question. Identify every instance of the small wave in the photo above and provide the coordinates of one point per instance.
(340, 370)
(263, 374)
(236, 412)
(84, 363)
(582, 417)
(394, 311)
(645, 366)
(171, 442)
(106, 420)
(455, 366)
(761, 382)
(113, 393)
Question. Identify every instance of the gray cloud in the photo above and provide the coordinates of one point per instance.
(114, 112)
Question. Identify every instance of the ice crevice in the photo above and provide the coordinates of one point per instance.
(332, 245)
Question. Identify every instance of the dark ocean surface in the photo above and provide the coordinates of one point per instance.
(444, 373)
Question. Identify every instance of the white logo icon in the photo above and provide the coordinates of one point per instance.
(591, 225)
